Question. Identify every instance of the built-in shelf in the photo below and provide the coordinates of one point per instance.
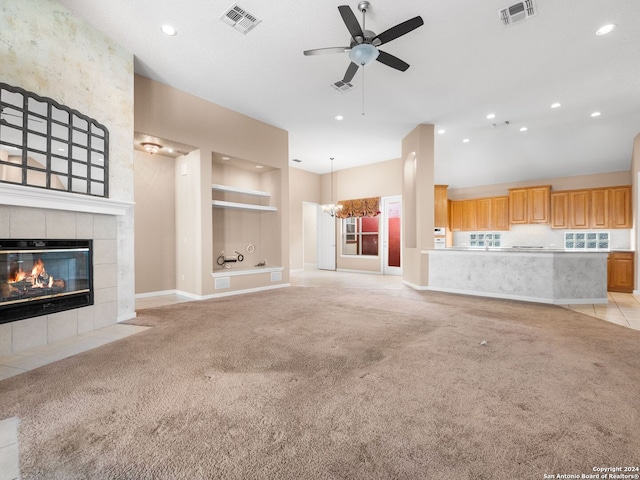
(244, 191)
(231, 272)
(243, 206)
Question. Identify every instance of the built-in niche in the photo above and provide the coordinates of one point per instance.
(246, 215)
(47, 145)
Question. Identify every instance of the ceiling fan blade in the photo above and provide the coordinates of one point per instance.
(351, 71)
(399, 30)
(320, 51)
(351, 22)
(391, 61)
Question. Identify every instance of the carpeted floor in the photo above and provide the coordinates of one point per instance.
(309, 383)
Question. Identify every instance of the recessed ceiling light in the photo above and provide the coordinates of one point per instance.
(338, 117)
(606, 29)
(596, 114)
(169, 30)
(61, 149)
(523, 129)
(170, 150)
(490, 116)
(466, 140)
(555, 105)
(441, 131)
(226, 158)
(259, 166)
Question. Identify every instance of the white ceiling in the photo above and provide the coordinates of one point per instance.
(464, 65)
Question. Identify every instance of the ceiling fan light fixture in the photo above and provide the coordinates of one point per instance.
(363, 54)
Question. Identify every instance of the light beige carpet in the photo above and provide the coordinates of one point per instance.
(309, 383)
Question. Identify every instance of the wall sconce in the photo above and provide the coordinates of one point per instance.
(151, 147)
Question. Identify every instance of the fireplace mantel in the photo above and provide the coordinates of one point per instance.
(21, 196)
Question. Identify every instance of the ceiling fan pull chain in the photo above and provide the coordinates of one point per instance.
(363, 91)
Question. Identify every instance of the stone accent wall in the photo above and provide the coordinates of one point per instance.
(21, 222)
(47, 50)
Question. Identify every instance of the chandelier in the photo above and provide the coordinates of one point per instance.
(331, 208)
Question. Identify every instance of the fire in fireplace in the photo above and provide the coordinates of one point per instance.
(39, 277)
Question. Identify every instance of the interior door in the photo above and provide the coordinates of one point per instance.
(326, 251)
(392, 246)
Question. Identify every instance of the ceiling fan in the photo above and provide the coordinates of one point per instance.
(363, 48)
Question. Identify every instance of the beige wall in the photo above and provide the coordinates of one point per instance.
(382, 179)
(155, 238)
(635, 171)
(188, 224)
(168, 113)
(419, 218)
(304, 187)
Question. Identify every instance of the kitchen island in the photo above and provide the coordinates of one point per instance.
(530, 274)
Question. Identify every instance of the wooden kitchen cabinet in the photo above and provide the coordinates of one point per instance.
(599, 211)
(455, 220)
(579, 209)
(592, 208)
(620, 272)
(440, 203)
(500, 213)
(518, 206)
(483, 214)
(620, 207)
(529, 205)
(469, 212)
(559, 210)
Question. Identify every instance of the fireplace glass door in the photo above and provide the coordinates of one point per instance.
(39, 277)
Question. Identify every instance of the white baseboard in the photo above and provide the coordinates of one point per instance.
(347, 270)
(247, 290)
(414, 286)
(128, 316)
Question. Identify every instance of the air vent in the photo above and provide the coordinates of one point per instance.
(341, 87)
(517, 12)
(239, 19)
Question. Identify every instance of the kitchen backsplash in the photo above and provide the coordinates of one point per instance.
(541, 236)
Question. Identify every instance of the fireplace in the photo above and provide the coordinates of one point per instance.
(40, 277)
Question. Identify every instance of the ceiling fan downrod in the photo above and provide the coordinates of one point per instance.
(363, 7)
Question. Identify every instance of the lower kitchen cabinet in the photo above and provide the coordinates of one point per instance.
(620, 272)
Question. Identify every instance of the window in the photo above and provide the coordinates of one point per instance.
(47, 145)
(360, 236)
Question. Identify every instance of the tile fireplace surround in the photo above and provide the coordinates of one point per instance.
(41, 214)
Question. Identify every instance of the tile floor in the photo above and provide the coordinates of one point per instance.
(26, 360)
(622, 309)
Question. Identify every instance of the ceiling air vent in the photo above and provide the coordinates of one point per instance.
(239, 19)
(341, 87)
(517, 12)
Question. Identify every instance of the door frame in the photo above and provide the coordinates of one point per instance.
(384, 203)
(326, 246)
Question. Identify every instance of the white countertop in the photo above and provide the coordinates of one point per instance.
(532, 250)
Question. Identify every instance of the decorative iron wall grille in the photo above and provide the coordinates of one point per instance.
(47, 145)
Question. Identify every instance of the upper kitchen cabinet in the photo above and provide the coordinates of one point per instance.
(455, 222)
(480, 214)
(560, 210)
(592, 208)
(463, 215)
(620, 207)
(500, 213)
(529, 205)
(440, 205)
